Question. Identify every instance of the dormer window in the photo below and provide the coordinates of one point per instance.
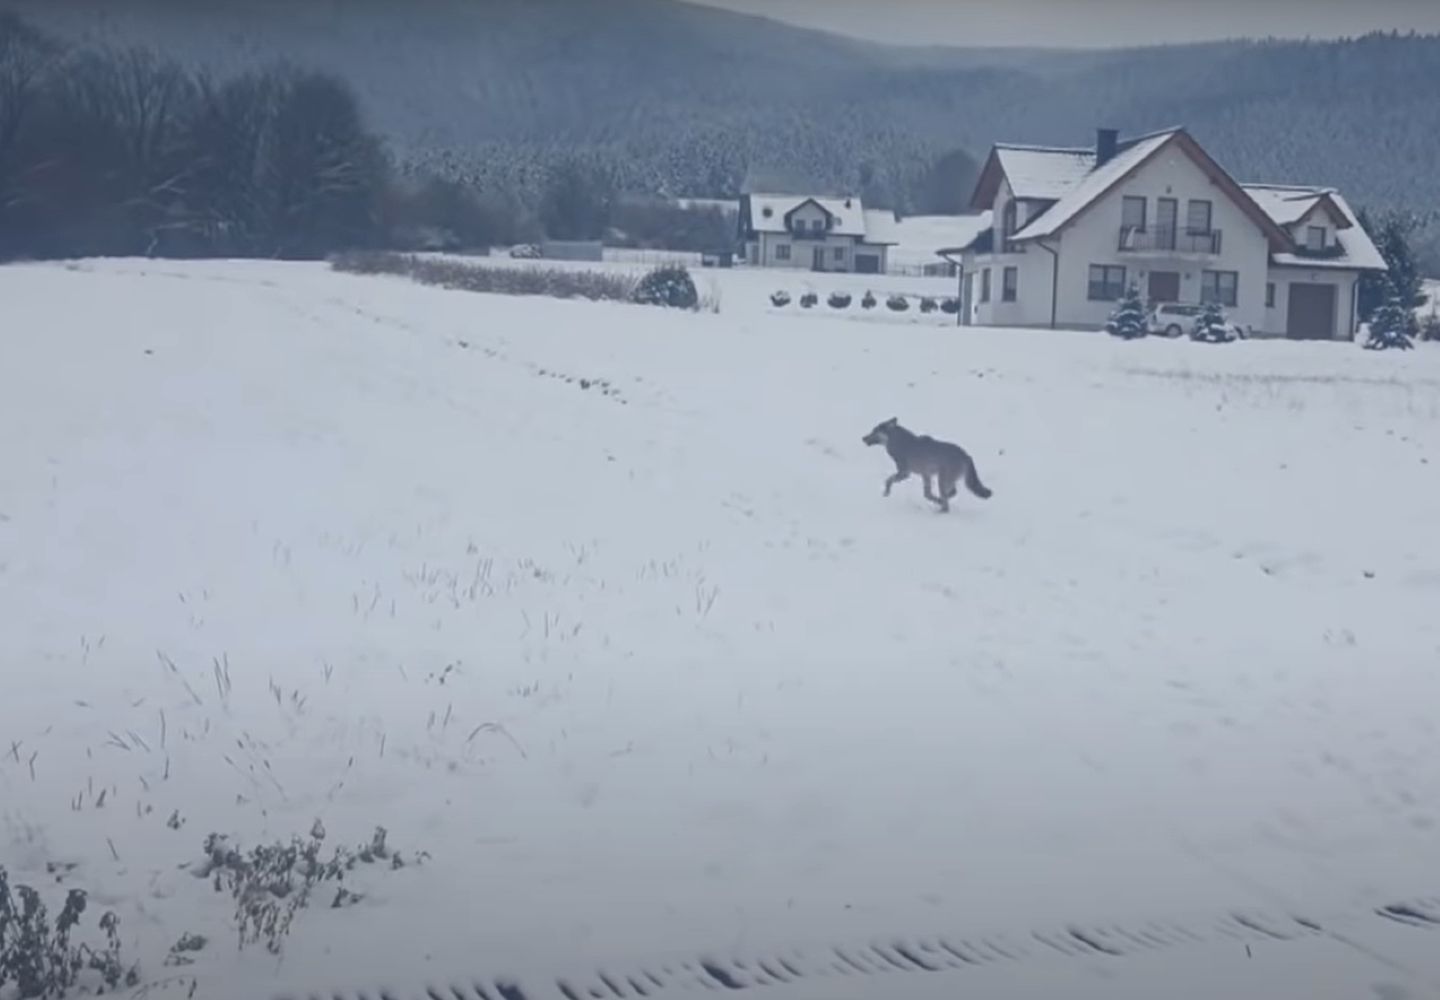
(1315, 238)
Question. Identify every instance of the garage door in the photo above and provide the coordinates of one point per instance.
(1312, 312)
(867, 263)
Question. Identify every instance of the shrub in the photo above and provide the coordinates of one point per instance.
(1128, 320)
(897, 303)
(38, 958)
(670, 286)
(780, 299)
(868, 302)
(927, 305)
(499, 280)
(839, 300)
(808, 300)
(1212, 326)
(950, 306)
(1430, 326)
(525, 251)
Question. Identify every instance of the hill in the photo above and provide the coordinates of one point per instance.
(689, 100)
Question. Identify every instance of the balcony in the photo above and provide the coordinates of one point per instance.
(809, 234)
(1168, 240)
(1330, 251)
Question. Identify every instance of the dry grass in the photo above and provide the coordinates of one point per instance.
(597, 286)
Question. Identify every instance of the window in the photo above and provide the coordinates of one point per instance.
(1009, 284)
(782, 251)
(1197, 216)
(839, 253)
(1107, 283)
(1269, 295)
(1219, 286)
(817, 225)
(1167, 211)
(985, 285)
(1315, 237)
(1132, 213)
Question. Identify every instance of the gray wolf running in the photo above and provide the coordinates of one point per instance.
(930, 458)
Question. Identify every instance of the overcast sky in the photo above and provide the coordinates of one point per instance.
(1091, 23)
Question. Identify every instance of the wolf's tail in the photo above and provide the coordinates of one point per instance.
(973, 483)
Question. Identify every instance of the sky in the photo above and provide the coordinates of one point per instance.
(1092, 23)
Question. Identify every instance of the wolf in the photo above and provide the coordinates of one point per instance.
(920, 453)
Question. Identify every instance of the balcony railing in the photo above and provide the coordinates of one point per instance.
(809, 234)
(1167, 240)
(1329, 251)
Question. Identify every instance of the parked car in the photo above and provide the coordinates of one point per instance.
(1172, 319)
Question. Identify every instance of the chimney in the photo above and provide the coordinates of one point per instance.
(1106, 141)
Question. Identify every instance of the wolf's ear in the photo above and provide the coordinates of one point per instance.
(893, 421)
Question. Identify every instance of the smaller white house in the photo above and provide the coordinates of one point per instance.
(814, 233)
(1070, 229)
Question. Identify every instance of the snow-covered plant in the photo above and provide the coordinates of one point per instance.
(1430, 326)
(927, 305)
(1212, 327)
(868, 302)
(839, 300)
(669, 286)
(1390, 325)
(808, 300)
(950, 306)
(897, 303)
(1128, 319)
(38, 957)
(780, 299)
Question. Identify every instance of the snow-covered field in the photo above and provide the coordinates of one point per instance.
(601, 607)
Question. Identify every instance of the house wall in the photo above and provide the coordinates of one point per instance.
(1094, 238)
(1033, 273)
(1347, 285)
(839, 252)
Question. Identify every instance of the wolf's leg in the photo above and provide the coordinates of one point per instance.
(899, 477)
(948, 487)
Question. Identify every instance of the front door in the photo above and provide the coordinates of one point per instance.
(1167, 211)
(817, 259)
(1164, 287)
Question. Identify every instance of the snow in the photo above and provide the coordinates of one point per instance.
(918, 239)
(1289, 204)
(1042, 173)
(657, 672)
(849, 213)
(1096, 181)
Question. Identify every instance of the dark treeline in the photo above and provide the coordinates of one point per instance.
(108, 152)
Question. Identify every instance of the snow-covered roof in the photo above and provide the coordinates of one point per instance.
(1043, 173)
(1288, 204)
(849, 213)
(1094, 183)
(919, 239)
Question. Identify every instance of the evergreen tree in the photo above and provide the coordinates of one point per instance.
(1392, 233)
(1390, 325)
(1212, 327)
(1128, 319)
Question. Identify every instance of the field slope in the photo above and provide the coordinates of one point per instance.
(601, 607)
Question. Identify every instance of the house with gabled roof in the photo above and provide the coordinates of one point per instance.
(812, 232)
(1072, 228)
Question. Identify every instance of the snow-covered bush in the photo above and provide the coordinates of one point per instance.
(1430, 326)
(927, 305)
(808, 300)
(897, 303)
(1390, 326)
(1128, 319)
(839, 300)
(670, 286)
(780, 299)
(868, 302)
(37, 955)
(950, 306)
(1212, 327)
(525, 251)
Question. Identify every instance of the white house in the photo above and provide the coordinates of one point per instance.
(1072, 228)
(818, 234)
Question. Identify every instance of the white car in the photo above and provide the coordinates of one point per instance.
(1171, 319)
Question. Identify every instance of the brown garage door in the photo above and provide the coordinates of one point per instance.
(1312, 312)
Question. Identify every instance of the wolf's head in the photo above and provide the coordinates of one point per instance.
(881, 433)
